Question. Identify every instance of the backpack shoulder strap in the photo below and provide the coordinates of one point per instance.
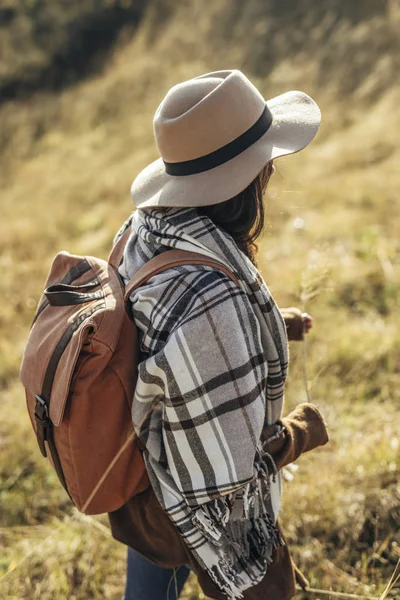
(168, 260)
(117, 251)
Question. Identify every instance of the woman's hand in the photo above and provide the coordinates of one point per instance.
(297, 323)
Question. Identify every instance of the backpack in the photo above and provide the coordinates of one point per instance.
(79, 370)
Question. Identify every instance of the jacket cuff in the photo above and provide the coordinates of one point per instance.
(301, 431)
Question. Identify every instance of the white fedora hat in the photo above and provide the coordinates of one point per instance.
(215, 133)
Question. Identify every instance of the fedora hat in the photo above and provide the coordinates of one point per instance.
(215, 133)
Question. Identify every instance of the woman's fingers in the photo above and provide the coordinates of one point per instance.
(307, 322)
(297, 323)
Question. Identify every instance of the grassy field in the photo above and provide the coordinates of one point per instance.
(332, 246)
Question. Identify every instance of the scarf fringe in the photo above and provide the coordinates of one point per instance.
(247, 541)
(227, 580)
(202, 520)
(240, 529)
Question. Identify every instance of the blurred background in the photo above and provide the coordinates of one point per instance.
(79, 84)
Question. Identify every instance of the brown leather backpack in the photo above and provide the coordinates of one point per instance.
(79, 374)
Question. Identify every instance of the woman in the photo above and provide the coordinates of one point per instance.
(210, 388)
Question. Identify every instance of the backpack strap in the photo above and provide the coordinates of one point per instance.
(168, 260)
(117, 251)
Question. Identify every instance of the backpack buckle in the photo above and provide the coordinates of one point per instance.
(42, 419)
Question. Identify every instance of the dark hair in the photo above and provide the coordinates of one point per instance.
(242, 216)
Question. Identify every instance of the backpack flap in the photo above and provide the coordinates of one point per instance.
(69, 313)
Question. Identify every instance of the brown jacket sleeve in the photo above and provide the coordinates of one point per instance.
(302, 430)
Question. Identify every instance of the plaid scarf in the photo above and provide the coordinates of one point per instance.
(214, 358)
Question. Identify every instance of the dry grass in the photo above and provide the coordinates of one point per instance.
(67, 162)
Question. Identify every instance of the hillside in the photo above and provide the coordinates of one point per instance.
(79, 84)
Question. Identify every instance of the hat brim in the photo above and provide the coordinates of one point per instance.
(296, 119)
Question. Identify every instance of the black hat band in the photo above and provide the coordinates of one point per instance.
(224, 154)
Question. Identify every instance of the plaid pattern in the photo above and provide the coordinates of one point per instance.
(212, 371)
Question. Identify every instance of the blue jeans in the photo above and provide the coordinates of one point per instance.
(146, 581)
